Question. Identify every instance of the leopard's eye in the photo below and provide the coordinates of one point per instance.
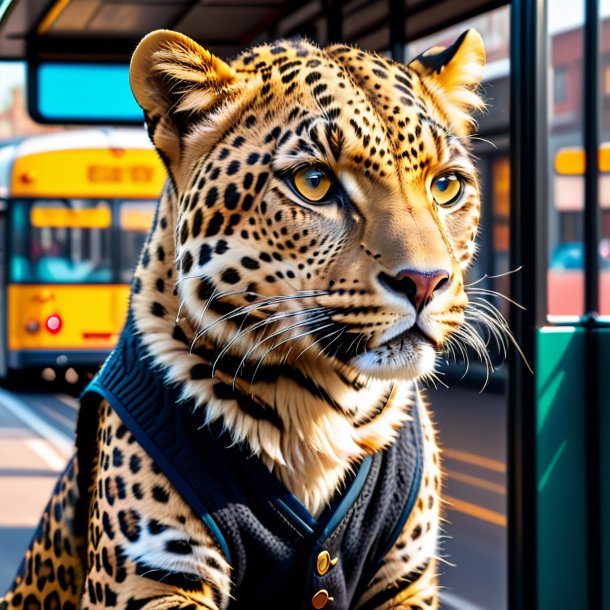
(312, 183)
(446, 189)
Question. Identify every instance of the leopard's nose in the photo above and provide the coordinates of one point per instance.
(417, 286)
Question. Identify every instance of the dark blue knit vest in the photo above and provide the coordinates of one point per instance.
(275, 547)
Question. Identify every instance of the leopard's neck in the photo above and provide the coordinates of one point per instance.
(310, 425)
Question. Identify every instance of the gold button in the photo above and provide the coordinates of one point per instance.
(325, 563)
(320, 599)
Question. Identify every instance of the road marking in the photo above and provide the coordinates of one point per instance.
(60, 441)
(475, 481)
(69, 401)
(45, 451)
(474, 510)
(477, 460)
(450, 600)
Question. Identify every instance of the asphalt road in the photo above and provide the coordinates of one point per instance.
(35, 442)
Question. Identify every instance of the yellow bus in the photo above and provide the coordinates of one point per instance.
(75, 208)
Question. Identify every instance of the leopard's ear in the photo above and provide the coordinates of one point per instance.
(454, 73)
(175, 81)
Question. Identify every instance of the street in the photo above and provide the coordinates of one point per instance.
(36, 432)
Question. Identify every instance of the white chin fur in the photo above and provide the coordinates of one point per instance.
(407, 364)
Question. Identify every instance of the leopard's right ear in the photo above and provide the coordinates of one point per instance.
(176, 81)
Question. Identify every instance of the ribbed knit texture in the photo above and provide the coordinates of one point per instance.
(270, 540)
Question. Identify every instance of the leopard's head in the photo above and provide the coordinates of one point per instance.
(326, 199)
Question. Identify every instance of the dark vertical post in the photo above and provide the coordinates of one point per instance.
(397, 30)
(334, 21)
(591, 140)
(528, 251)
(591, 245)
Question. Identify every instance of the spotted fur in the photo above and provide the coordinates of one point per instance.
(289, 321)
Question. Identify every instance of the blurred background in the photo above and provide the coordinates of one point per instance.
(526, 455)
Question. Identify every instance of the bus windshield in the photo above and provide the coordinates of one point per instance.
(76, 241)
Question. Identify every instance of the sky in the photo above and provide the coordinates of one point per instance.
(567, 14)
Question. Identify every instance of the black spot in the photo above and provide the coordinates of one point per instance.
(230, 276)
(211, 197)
(117, 457)
(201, 371)
(248, 179)
(206, 289)
(313, 77)
(205, 254)
(136, 489)
(137, 285)
(155, 527)
(158, 310)
(145, 258)
(197, 222)
(233, 167)
(160, 285)
(159, 494)
(214, 225)
(107, 526)
(51, 601)
(416, 533)
(178, 547)
(135, 463)
(187, 262)
(129, 523)
(260, 182)
(247, 202)
(231, 197)
(221, 247)
(110, 597)
(160, 254)
(249, 263)
(184, 232)
(137, 604)
(179, 335)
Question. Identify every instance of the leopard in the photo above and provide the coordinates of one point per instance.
(304, 273)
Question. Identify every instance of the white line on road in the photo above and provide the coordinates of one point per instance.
(44, 450)
(60, 441)
(450, 600)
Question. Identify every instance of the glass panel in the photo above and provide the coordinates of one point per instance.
(135, 220)
(63, 252)
(84, 92)
(604, 185)
(565, 288)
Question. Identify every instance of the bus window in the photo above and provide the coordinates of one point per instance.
(61, 241)
(135, 220)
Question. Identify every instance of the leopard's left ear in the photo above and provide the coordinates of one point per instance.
(454, 73)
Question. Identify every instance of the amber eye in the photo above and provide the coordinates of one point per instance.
(312, 183)
(446, 189)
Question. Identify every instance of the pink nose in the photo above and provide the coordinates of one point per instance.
(419, 286)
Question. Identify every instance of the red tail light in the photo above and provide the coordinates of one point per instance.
(53, 324)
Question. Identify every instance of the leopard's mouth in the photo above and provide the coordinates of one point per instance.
(414, 331)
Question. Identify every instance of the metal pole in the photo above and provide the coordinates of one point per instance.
(591, 245)
(397, 30)
(528, 251)
(333, 10)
